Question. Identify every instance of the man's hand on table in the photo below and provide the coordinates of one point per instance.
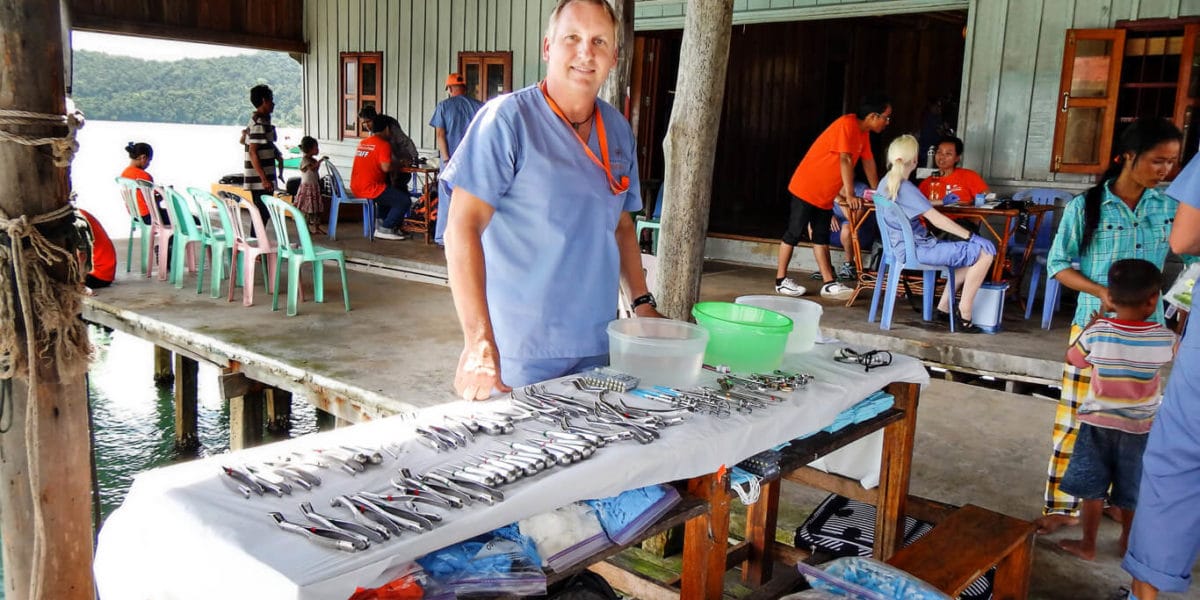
(479, 372)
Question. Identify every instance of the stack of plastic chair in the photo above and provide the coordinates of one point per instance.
(188, 238)
(129, 193)
(160, 232)
(299, 249)
(891, 267)
(654, 223)
(341, 195)
(1041, 248)
(218, 240)
(256, 246)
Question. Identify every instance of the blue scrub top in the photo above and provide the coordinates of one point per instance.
(1186, 189)
(454, 114)
(913, 204)
(550, 253)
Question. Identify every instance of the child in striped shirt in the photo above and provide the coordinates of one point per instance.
(1125, 353)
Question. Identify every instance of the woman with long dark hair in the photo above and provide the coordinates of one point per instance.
(1122, 216)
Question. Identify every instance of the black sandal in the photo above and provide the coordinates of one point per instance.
(966, 326)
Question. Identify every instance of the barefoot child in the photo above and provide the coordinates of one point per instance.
(1126, 353)
(308, 196)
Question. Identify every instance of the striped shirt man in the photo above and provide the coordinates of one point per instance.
(260, 134)
(1125, 389)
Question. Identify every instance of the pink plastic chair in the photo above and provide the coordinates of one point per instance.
(160, 232)
(251, 247)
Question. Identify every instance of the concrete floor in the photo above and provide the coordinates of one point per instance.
(396, 350)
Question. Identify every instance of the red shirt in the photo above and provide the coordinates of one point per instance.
(367, 178)
(104, 255)
(963, 183)
(818, 178)
(132, 172)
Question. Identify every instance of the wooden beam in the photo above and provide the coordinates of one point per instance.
(232, 384)
(279, 410)
(103, 24)
(246, 420)
(45, 457)
(842, 486)
(761, 521)
(894, 470)
(705, 538)
(690, 149)
(186, 398)
(633, 584)
(163, 375)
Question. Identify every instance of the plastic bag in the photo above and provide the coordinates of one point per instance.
(1180, 293)
(492, 565)
(868, 579)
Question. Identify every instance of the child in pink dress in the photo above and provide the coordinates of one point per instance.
(308, 197)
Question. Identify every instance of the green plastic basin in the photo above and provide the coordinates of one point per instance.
(747, 339)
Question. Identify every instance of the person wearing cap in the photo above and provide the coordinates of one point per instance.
(539, 234)
(450, 121)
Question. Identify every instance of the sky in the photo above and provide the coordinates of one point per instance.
(149, 48)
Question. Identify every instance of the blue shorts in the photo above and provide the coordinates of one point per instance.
(949, 254)
(1104, 458)
(868, 233)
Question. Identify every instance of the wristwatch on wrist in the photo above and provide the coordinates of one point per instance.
(646, 298)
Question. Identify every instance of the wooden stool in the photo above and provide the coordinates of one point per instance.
(963, 547)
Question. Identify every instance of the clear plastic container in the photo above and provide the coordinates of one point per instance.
(805, 316)
(747, 339)
(657, 351)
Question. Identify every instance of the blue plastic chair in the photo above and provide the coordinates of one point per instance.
(341, 195)
(187, 238)
(299, 249)
(1041, 248)
(653, 223)
(891, 267)
(129, 191)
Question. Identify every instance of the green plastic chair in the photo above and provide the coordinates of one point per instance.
(298, 249)
(188, 238)
(129, 190)
(218, 240)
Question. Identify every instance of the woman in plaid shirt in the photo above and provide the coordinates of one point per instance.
(1123, 216)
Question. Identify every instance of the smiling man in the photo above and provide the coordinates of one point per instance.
(539, 234)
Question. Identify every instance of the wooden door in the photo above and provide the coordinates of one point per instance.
(1091, 74)
(647, 54)
(1187, 94)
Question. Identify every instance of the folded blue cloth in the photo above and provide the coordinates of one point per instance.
(866, 409)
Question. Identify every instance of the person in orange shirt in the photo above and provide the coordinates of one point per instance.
(826, 171)
(140, 155)
(104, 256)
(369, 179)
(950, 179)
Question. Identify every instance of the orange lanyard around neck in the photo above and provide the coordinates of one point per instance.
(617, 187)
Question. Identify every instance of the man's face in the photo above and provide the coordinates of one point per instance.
(946, 156)
(877, 122)
(268, 105)
(581, 48)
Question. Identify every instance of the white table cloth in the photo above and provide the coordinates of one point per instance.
(182, 533)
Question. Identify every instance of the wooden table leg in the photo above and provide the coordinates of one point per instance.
(894, 470)
(705, 539)
(761, 518)
(1013, 573)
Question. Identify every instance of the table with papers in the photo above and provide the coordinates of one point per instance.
(182, 533)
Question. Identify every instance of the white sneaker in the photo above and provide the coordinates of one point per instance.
(836, 291)
(387, 233)
(788, 287)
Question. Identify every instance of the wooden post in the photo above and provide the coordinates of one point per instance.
(761, 521)
(186, 396)
(705, 538)
(45, 457)
(279, 410)
(615, 90)
(894, 470)
(162, 367)
(246, 420)
(690, 149)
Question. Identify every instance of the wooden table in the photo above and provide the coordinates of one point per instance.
(424, 222)
(866, 281)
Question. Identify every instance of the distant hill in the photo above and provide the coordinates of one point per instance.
(209, 91)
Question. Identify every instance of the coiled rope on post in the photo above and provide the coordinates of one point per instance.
(64, 148)
(38, 311)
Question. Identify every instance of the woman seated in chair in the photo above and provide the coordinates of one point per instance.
(970, 256)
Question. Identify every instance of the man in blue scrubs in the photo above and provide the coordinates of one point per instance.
(539, 234)
(449, 122)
